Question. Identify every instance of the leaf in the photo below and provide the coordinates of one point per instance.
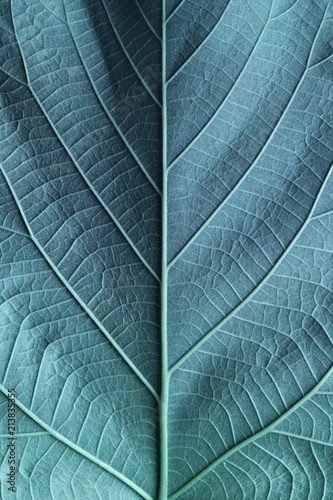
(166, 248)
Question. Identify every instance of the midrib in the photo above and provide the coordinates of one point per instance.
(163, 404)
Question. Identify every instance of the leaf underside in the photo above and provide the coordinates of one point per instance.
(166, 241)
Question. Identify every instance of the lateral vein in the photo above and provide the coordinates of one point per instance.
(88, 183)
(79, 450)
(254, 437)
(218, 109)
(109, 115)
(76, 296)
(200, 45)
(128, 56)
(148, 23)
(197, 137)
(303, 438)
(260, 284)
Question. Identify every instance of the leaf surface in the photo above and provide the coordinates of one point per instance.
(166, 248)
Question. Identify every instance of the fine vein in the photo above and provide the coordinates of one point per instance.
(174, 11)
(25, 434)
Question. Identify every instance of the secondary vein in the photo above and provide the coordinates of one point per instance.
(260, 284)
(87, 182)
(254, 437)
(75, 295)
(78, 449)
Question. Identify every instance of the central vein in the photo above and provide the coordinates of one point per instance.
(163, 409)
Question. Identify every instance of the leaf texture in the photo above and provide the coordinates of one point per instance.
(166, 248)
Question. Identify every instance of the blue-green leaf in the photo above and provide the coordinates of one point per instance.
(166, 242)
